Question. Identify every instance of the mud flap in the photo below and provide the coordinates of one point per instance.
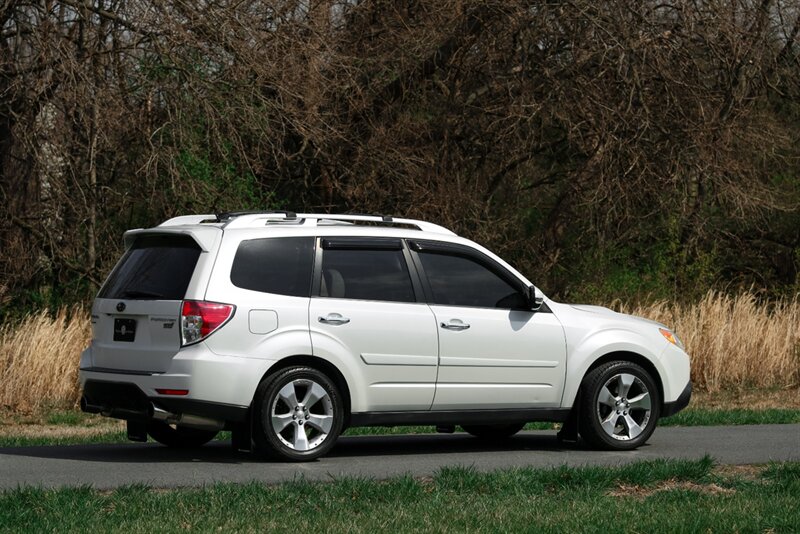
(241, 435)
(569, 430)
(137, 431)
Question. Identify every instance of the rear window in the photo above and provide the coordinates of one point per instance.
(366, 275)
(155, 267)
(279, 265)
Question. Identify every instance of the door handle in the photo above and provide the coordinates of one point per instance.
(334, 319)
(455, 324)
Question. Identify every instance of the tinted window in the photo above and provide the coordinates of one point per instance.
(280, 265)
(460, 281)
(366, 275)
(155, 267)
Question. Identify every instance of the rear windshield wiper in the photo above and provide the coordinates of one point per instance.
(136, 294)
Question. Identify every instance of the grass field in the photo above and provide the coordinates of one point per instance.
(658, 496)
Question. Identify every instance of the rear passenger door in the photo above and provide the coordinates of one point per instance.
(368, 307)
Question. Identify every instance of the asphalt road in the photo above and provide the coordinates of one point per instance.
(109, 466)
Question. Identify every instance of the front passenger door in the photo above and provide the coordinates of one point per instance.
(493, 353)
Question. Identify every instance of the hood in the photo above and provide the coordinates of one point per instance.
(593, 309)
(603, 312)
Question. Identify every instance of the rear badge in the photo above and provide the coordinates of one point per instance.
(120, 306)
(168, 322)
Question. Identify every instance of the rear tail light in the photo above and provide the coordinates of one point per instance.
(178, 392)
(199, 319)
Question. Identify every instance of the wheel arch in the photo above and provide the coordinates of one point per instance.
(631, 357)
(322, 365)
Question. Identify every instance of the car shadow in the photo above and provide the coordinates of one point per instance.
(216, 452)
(425, 444)
(220, 452)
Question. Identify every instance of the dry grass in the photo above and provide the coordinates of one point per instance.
(640, 493)
(736, 344)
(39, 360)
(736, 341)
(97, 427)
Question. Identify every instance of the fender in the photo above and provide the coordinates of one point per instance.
(255, 355)
(599, 343)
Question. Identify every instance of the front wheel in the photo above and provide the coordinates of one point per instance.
(619, 406)
(179, 437)
(298, 415)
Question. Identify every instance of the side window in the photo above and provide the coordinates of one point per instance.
(461, 281)
(280, 265)
(366, 274)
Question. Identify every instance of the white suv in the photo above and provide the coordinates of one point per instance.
(288, 328)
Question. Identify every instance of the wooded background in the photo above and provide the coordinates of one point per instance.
(619, 149)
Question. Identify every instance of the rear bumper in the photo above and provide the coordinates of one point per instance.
(671, 408)
(209, 378)
(126, 400)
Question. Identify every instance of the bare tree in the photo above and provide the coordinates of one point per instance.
(555, 131)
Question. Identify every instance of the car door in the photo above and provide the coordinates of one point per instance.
(367, 308)
(493, 352)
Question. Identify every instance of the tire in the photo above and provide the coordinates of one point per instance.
(494, 432)
(298, 415)
(179, 437)
(619, 406)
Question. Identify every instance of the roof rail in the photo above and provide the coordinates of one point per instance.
(188, 219)
(225, 217)
(249, 219)
(423, 226)
(222, 217)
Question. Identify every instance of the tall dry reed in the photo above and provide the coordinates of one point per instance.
(39, 359)
(733, 341)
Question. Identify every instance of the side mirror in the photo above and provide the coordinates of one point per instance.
(534, 301)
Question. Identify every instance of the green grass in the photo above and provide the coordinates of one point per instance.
(69, 418)
(658, 496)
(736, 416)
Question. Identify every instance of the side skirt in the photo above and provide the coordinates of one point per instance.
(474, 417)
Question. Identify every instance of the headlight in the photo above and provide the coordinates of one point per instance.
(671, 337)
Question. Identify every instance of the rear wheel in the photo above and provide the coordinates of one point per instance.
(619, 406)
(494, 432)
(180, 437)
(298, 415)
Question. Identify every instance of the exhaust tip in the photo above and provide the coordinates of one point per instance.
(159, 414)
(89, 408)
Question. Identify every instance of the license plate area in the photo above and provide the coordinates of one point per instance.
(124, 329)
